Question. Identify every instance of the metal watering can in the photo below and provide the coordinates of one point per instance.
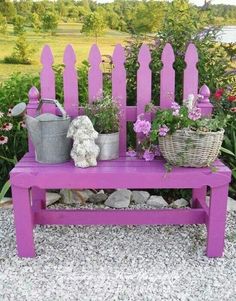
(47, 132)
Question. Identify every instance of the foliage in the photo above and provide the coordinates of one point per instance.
(7, 9)
(225, 103)
(183, 24)
(94, 24)
(22, 53)
(3, 24)
(36, 22)
(19, 23)
(104, 113)
(50, 22)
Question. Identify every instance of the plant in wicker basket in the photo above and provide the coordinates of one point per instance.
(184, 137)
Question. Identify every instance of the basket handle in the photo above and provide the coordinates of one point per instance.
(52, 101)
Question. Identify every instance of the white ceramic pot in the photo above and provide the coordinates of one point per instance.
(109, 146)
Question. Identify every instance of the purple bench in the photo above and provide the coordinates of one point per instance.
(30, 179)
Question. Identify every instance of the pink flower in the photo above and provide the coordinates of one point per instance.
(148, 156)
(142, 126)
(175, 113)
(22, 124)
(7, 127)
(163, 130)
(175, 106)
(131, 153)
(1, 114)
(157, 151)
(3, 139)
(195, 114)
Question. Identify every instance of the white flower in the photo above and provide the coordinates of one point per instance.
(1, 114)
(7, 127)
(189, 102)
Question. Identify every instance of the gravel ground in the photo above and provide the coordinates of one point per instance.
(117, 263)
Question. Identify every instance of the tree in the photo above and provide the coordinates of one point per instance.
(36, 22)
(94, 25)
(50, 22)
(7, 9)
(3, 24)
(22, 53)
(19, 25)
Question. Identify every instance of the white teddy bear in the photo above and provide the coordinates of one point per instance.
(84, 151)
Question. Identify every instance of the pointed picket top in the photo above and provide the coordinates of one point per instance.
(191, 55)
(69, 56)
(191, 72)
(167, 77)
(168, 55)
(118, 56)
(95, 79)
(47, 56)
(33, 94)
(144, 56)
(94, 55)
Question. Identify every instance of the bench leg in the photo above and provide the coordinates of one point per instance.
(38, 198)
(198, 194)
(216, 221)
(24, 224)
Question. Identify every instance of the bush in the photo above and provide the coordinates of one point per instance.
(19, 25)
(22, 53)
(50, 22)
(3, 24)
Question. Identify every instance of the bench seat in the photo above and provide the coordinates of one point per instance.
(125, 172)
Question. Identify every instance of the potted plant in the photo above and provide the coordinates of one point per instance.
(104, 113)
(184, 137)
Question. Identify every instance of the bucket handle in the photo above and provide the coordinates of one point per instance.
(52, 101)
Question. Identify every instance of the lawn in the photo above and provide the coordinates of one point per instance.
(67, 33)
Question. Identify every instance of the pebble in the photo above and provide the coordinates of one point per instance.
(119, 199)
(180, 203)
(157, 201)
(75, 196)
(52, 197)
(98, 198)
(140, 197)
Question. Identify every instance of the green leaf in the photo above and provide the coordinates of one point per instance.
(4, 190)
(227, 151)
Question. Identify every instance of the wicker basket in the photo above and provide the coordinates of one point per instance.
(191, 149)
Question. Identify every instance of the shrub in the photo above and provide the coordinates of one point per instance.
(19, 25)
(3, 24)
(22, 53)
(50, 22)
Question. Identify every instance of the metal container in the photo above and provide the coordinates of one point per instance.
(109, 146)
(48, 133)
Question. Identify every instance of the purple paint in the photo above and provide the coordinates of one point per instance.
(30, 179)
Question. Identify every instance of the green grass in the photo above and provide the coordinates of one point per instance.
(67, 33)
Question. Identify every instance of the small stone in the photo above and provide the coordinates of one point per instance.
(6, 203)
(75, 196)
(180, 203)
(119, 199)
(98, 198)
(157, 201)
(140, 197)
(52, 197)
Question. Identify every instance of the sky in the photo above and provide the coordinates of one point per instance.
(197, 2)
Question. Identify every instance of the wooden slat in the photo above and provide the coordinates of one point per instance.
(47, 79)
(71, 98)
(119, 92)
(144, 81)
(167, 80)
(191, 72)
(95, 78)
(120, 217)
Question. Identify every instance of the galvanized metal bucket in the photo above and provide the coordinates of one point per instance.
(109, 146)
(48, 133)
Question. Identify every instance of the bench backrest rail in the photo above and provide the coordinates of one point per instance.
(118, 78)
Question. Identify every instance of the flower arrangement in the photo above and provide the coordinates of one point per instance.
(224, 101)
(168, 121)
(104, 113)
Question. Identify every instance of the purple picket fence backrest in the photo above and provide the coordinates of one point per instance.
(118, 78)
